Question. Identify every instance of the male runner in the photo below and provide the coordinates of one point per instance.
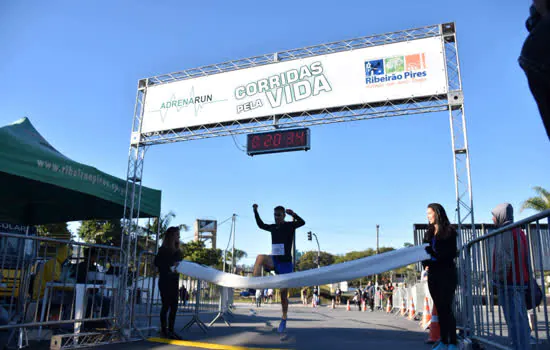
(280, 260)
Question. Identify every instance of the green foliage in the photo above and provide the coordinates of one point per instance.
(360, 254)
(60, 231)
(308, 260)
(165, 223)
(239, 254)
(363, 254)
(541, 202)
(106, 232)
(196, 251)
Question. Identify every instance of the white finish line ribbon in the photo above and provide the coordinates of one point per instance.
(345, 271)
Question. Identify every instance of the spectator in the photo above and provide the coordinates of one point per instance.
(390, 293)
(304, 296)
(511, 274)
(442, 276)
(316, 295)
(184, 295)
(357, 298)
(258, 297)
(535, 57)
(89, 264)
(338, 295)
(424, 275)
(95, 298)
(365, 297)
(370, 295)
(385, 293)
(169, 254)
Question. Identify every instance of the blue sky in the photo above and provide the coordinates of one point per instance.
(72, 68)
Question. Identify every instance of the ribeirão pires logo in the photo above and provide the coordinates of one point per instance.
(397, 68)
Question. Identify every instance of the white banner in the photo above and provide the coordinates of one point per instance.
(388, 72)
(346, 271)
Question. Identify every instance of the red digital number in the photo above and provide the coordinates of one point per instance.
(255, 142)
(290, 138)
(277, 140)
(268, 141)
(300, 138)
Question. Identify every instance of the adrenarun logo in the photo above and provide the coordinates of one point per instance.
(197, 102)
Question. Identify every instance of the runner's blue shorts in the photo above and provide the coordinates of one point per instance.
(282, 267)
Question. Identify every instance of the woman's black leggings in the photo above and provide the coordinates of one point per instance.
(442, 285)
(169, 297)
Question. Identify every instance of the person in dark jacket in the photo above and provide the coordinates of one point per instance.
(168, 256)
(442, 274)
(535, 57)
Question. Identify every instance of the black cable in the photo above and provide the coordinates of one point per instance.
(239, 147)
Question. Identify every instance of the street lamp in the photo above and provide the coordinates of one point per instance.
(318, 258)
(318, 247)
(376, 276)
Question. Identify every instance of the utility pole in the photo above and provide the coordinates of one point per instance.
(377, 242)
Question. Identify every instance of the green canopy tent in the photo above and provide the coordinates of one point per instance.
(39, 185)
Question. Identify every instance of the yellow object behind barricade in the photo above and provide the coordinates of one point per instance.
(10, 283)
(50, 271)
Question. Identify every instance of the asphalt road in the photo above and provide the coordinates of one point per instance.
(308, 328)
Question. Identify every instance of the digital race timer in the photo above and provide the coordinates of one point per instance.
(284, 140)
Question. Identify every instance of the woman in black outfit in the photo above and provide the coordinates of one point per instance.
(169, 254)
(442, 274)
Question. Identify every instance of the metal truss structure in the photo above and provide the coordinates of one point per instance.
(452, 101)
(84, 340)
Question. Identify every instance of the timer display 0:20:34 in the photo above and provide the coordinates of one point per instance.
(284, 140)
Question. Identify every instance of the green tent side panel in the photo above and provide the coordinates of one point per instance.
(36, 177)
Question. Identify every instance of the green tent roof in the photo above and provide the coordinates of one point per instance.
(39, 185)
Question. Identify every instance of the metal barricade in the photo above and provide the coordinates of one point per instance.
(195, 298)
(56, 285)
(503, 273)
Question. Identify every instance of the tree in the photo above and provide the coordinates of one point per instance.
(196, 251)
(308, 260)
(165, 221)
(239, 254)
(363, 254)
(407, 245)
(57, 231)
(60, 231)
(106, 232)
(541, 202)
(147, 233)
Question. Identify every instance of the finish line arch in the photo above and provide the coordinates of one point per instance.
(393, 74)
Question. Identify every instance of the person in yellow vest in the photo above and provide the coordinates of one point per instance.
(50, 271)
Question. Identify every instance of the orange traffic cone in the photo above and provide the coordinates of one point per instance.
(403, 307)
(434, 334)
(412, 311)
(313, 302)
(348, 308)
(388, 306)
(426, 315)
(364, 306)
